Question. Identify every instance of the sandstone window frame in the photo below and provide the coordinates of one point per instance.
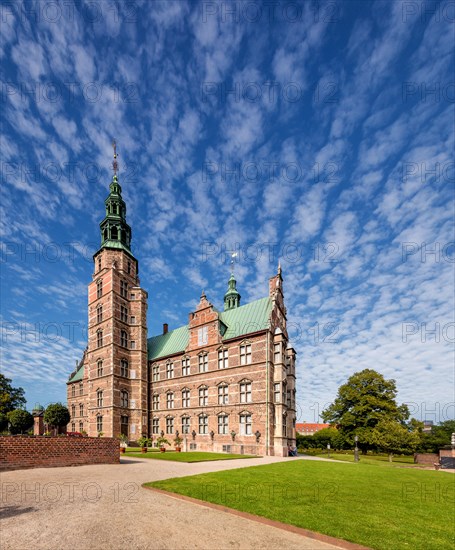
(156, 402)
(99, 338)
(169, 369)
(203, 394)
(99, 398)
(155, 373)
(169, 425)
(223, 357)
(185, 365)
(99, 423)
(186, 398)
(99, 288)
(124, 367)
(203, 424)
(124, 398)
(223, 423)
(245, 423)
(246, 391)
(223, 393)
(170, 399)
(99, 367)
(186, 424)
(123, 338)
(99, 313)
(203, 361)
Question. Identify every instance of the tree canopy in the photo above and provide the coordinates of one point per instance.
(19, 420)
(56, 415)
(10, 398)
(361, 403)
(393, 438)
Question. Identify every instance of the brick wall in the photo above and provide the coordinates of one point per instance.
(18, 452)
(426, 458)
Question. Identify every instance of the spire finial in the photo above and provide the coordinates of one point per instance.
(114, 162)
(233, 255)
(279, 267)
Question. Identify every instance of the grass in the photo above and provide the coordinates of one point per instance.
(375, 460)
(382, 508)
(192, 456)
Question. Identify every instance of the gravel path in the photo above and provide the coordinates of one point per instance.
(104, 507)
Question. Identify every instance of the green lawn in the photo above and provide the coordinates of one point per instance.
(378, 460)
(382, 508)
(192, 456)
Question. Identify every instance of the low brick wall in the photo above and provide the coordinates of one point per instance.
(18, 452)
(426, 458)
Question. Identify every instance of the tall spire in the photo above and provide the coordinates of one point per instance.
(115, 232)
(232, 297)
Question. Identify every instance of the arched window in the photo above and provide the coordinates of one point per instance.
(114, 233)
(99, 313)
(123, 338)
(124, 399)
(124, 368)
(99, 288)
(99, 423)
(99, 367)
(81, 426)
(81, 409)
(99, 398)
(73, 390)
(99, 338)
(73, 411)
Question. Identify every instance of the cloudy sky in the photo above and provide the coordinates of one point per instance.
(317, 134)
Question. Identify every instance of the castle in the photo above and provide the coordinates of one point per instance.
(224, 382)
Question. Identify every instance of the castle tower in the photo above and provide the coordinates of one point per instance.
(117, 330)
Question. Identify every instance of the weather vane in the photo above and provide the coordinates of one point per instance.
(114, 162)
(233, 255)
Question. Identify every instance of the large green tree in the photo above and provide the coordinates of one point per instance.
(10, 398)
(19, 421)
(56, 415)
(361, 403)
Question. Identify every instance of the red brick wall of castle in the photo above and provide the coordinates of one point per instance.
(18, 452)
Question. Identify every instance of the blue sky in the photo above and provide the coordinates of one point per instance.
(317, 134)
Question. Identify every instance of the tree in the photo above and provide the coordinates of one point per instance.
(439, 436)
(394, 438)
(361, 403)
(20, 421)
(10, 398)
(56, 415)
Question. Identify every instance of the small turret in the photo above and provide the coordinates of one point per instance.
(232, 297)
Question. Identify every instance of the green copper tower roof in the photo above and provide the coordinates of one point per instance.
(232, 297)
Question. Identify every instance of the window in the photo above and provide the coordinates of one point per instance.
(185, 424)
(129, 267)
(133, 296)
(73, 427)
(169, 425)
(124, 399)
(223, 359)
(203, 362)
(156, 373)
(124, 314)
(203, 424)
(124, 425)
(288, 398)
(124, 368)
(155, 426)
(223, 424)
(277, 392)
(73, 390)
(169, 370)
(99, 288)
(99, 398)
(123, 338)
(185, 366)
(99, 423)
(203, 396)
(203, 336)
(155, 402)
(81, 426)
(99, 366)
(124, 289)
(245, 424)
(73, 411)
(223, 397)
(81, 389)
(99, 338)
(99, 264)
(133, 344)
(99, 314)
(245, 392)
(276, 353)
(285, 427)
(185, 398)
(245, 354)
(170, 400)
(133, 320)
(81, 409)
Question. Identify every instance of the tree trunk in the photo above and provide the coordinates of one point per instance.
(390, 457)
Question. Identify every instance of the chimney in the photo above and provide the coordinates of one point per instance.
(165, 328)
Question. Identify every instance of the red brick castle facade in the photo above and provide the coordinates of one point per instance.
(223, 382)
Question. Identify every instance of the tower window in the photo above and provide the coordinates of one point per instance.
(123, 339)
(99, 288)
(124, 399)
(99, 313)
(124, 314)
(99, 263)
(277, 392)
(114, 233)
(99, 398)
(81, 389)
(99, 366)
(124, 289)
(99, 423)
(73, 390)
(124, 368)
(81, 426)
(73, 411)
(81, 409)
(99, 338)
(129, 267)
(124, 425)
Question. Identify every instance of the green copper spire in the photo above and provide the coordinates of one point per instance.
(115, 232)
(232, 297)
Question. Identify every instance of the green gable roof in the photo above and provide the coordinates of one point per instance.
(239, 321)
(77, 376)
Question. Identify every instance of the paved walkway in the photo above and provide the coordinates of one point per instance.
(104, 507)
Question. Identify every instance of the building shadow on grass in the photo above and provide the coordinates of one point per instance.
(11, 511)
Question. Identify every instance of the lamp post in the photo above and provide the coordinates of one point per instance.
(328, 450)
(356, 450)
